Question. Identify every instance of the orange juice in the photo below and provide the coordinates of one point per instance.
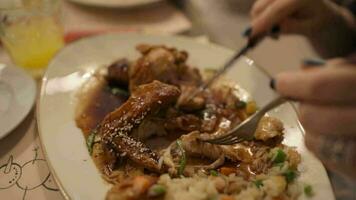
(31, 32)
(32, 42)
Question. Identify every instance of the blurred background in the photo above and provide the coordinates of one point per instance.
(221, 22)
(32, 31)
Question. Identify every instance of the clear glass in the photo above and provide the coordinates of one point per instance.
(31, 32)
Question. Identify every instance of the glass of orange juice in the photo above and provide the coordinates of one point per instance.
(31, 32)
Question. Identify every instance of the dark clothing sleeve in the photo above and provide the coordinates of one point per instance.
(350, 4)
(352, 7)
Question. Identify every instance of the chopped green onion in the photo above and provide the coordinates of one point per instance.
(119, 91)
(90, 141)
(279, 156)
(280, 165)
(258, 183)
(241, 104)
(156, 190)
(290, 175)
(214, 173)
(183, 159)
(308, 191)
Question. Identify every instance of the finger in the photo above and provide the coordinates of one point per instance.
(260, 6)
(338, 62)
(328, 120)
(319, 85)
(272, 15)
(337, 154)
(295, 26)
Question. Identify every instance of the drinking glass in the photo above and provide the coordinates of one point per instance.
(31, 32)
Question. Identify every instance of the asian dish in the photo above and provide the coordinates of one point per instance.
(144, 133)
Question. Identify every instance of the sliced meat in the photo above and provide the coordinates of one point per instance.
(164, 64)
(269, 127)
(148, 128)
(117, 126)
(118, 73)
(186, 102)
(186, 123)
(195, 147)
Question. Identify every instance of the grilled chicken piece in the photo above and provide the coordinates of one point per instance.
(164, 64)
(183, 123)
(117, 126)
(195, 147)
(185, 102)
(118, 73)
(269, 127)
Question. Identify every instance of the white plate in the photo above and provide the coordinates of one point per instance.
(115, 3)
(64, 144)
(17, 96)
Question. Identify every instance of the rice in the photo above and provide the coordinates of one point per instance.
(203, 188)
(196, 188)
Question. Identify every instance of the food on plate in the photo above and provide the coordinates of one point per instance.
(144, 133)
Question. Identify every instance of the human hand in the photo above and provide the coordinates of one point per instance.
(293, 16)
(327, 110)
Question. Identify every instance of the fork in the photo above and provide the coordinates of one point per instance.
(245, 130)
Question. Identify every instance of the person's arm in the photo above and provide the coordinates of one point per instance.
(330, 27)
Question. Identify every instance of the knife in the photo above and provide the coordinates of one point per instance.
(251, 43)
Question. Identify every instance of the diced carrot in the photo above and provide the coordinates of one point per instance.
(142, 183)
(278, 198)
(227, 170)
(251, 107)
(226, 198)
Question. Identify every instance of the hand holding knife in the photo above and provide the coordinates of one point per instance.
(251, 43)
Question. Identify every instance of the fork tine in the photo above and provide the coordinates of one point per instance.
(232, 141)
(223, 139)
(249, 125)
(220, 139)
(227, 138)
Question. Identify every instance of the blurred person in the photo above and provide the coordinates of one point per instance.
(327, 94)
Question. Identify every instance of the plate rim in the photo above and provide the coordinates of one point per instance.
(21, 72)
(181, 37)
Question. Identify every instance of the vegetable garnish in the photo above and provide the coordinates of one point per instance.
(183, 159)
(258, 183)
(240, 104)
(251, 107)
(90, 140)
(214, 173)
(290, 175)
(308, 190)
(279, 156)
(280, 165)
(156, 190)
(119, 91)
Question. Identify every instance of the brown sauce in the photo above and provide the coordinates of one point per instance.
(99, 102)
